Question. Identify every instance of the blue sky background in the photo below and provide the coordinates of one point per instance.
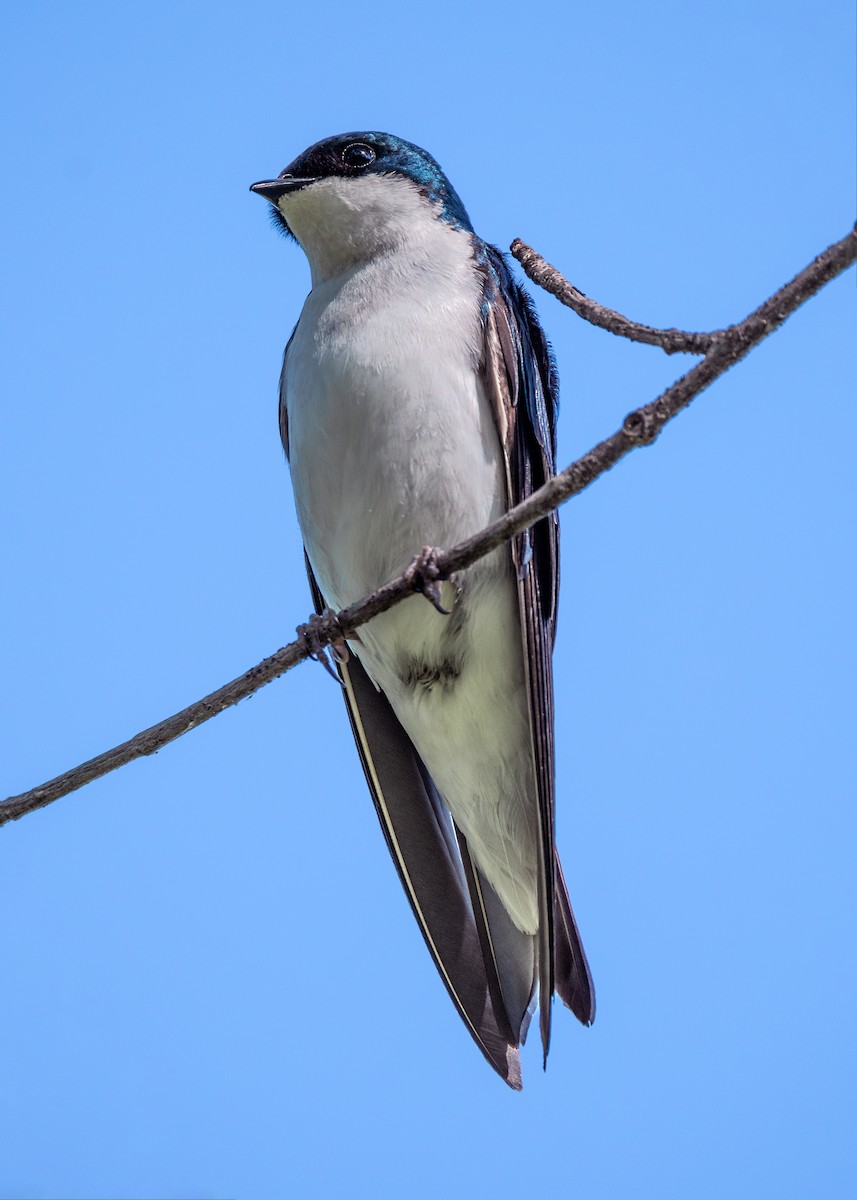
(212, 984)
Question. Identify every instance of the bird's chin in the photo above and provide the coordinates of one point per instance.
(278, 192)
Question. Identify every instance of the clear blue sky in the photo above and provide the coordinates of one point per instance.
(212, 984)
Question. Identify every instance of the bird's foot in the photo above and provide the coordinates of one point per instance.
(309, 633)
(426, 576)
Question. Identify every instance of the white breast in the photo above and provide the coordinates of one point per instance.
(392, 443)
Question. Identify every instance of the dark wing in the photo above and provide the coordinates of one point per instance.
(422, 839)
(520, 380)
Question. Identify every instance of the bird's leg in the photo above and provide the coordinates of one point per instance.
(426, 576)
(309, 635)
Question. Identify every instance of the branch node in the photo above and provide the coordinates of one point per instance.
(641, 427)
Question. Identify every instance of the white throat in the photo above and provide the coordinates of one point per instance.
(341, 223)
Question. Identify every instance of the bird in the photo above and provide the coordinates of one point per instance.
(418, 402)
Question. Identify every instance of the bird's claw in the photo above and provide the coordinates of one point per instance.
(309, 634)
(425, 576)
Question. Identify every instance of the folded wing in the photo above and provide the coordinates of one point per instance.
(520, 381)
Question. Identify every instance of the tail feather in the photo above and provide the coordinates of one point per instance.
(573, 981)
(509, 954)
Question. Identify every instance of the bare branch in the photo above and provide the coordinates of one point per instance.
(672, 341)
(723, 348)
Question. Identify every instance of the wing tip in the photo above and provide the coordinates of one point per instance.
(512, 1074)
(500, 1054)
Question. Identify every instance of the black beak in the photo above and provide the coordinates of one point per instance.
(273, 189)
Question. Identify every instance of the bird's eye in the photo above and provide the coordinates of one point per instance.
(358, 154)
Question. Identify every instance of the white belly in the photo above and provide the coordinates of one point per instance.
(393, 447)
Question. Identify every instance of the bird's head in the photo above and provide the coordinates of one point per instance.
(352, 197)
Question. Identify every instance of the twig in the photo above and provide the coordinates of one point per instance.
(640, 428)
(672, 341)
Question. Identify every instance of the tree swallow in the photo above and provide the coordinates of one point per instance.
(418, 402)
